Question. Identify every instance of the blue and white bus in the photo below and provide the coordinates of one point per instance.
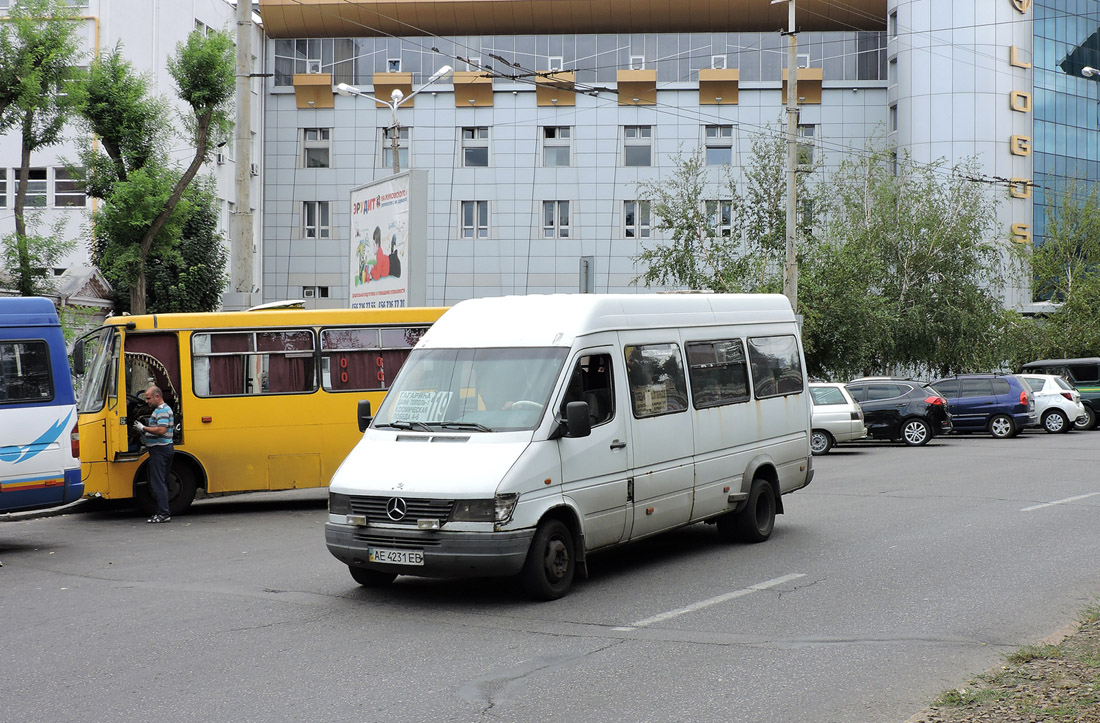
(39, 442)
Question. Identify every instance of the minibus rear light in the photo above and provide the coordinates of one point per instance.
(74, 439)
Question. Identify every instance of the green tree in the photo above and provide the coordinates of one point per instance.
(1066, 270)
(193, 277)
(707, 249)
(39, 55)
(149, 202)
(917, 244)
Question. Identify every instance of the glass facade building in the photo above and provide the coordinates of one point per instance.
(1067, 102)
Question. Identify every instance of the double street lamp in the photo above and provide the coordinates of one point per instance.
(395, 101)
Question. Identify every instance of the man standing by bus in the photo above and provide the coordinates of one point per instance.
(157, 436)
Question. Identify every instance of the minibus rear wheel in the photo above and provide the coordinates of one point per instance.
(548, 571)
(754, 523)
(371, 578)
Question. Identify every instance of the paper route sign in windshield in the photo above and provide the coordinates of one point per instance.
(421, 406)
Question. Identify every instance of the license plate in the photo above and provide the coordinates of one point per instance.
(395, 557)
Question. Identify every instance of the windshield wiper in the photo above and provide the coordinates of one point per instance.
(401, 424)
(463, 425)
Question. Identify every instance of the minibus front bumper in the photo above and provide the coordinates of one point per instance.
(445, 553)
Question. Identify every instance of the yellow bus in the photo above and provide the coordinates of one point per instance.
(263, 400)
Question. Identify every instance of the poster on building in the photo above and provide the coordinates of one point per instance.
(382, 258)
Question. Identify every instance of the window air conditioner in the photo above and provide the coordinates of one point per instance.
(219, 158)
(309, 292)
(254, 169)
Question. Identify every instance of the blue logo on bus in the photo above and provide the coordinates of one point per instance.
(15, 454)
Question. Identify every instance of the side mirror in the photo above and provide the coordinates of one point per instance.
(576, 419)
(78, 358)
(363, 415)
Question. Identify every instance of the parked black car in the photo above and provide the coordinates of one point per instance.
(1000, 404)
(901, 409)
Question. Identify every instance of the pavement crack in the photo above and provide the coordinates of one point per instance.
(491, 689)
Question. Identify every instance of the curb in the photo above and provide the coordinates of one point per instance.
(39, 514)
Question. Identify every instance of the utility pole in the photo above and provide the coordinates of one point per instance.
(241, 222)
(395, 139)
(790, 268)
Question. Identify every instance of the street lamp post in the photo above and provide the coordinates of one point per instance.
(395, 101)
(790, 266)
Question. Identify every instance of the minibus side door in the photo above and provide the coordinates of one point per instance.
(661, 429)
(596, 469)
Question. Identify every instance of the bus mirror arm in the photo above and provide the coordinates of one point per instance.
(362, 413)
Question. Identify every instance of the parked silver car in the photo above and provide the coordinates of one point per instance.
(835, 417)
(1057, 403)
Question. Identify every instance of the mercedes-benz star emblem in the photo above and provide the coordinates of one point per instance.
(396, 509)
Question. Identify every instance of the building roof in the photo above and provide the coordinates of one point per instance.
(366, 18)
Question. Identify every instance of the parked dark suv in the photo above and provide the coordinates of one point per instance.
(1000, 404)
(1084, 374)
(901, 409)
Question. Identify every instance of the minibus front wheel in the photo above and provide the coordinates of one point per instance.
(550, 565)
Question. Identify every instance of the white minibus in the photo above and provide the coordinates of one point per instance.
(524, 433)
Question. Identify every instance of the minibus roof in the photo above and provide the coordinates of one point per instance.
(558, 319)
(18, 311)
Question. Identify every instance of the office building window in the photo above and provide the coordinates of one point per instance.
(67, 191)
(719, 216)
(806, 135)
(636, 219)
(892, 24)
(315, 219)
(555, 219)
(893, 118)
(3, 184)
(719, 145)
(557, 146)
(314, 292)
(316, 147)
(36, 187)
(475, 147)
(403, 136)
(474, 219)
(637, 145)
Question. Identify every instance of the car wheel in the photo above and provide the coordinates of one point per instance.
(1055, 422)
(916, 432)
(1088, 421)
(754, 523)
(1002, 427)
(820, 441)
(548, 570)
(371, 578)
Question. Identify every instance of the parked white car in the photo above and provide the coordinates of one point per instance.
(834, 417)
(1057, 404)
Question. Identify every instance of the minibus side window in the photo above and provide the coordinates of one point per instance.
(590, 382)
(656, 377)
(253, 362)
(25, 372)
(365, 358)
(719, 374)
(776, 366)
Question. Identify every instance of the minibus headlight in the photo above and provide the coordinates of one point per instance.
(339, 504)
(473, 511)
(498, 510)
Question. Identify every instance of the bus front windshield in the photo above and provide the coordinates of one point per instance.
(480, 390)
(101, 349)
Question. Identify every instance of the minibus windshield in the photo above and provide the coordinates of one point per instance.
(472, 390)
(100, 360)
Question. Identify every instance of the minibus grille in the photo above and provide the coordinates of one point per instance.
(398, 543)
(375, 509)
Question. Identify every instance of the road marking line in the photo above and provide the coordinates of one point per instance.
(661, 617)
(1060, 502)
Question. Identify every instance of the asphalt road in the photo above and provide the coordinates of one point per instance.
(897, 574)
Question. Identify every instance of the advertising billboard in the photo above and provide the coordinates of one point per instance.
(388, 227)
